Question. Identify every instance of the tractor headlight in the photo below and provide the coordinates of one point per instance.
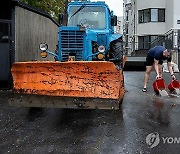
(43, 46)
(101, 48)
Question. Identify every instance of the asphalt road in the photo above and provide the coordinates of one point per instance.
(36, 131)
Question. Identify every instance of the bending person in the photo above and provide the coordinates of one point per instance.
(156, 56)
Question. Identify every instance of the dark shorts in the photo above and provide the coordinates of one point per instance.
(150, 61)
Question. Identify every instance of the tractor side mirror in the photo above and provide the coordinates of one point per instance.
(61, 17)
(114, 21)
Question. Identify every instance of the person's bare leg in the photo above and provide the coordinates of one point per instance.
(160, 70)
(147, 74)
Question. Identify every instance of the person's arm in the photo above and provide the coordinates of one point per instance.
(156, 67)
(171, 70)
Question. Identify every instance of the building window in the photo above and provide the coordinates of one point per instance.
(146, 15)
(161, 15)
(154, 15)
(146, 42)
(143, 42)
(141, 16)
(151, 15)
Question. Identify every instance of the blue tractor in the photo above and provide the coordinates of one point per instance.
(88, 34)
(87, 71)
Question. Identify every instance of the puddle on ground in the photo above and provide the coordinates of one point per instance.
(162, 111)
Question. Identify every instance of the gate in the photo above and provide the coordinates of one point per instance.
(5, 55)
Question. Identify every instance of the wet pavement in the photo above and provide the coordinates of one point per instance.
(26, 131)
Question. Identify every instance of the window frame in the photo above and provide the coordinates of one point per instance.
(141, 13)
(141, 20)
(145, 43)
(164, 14)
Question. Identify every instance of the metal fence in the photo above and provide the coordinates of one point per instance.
(169, 40)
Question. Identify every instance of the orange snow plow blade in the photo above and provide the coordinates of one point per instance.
(76, 79)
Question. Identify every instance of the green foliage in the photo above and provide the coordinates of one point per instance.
(53, 7)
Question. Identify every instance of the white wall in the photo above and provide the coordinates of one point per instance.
(172, 14)
(127, 1)
(151, 28)
(169, 12)
(143, 4)
(176, 14)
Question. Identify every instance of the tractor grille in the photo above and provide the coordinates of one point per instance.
(72, 44)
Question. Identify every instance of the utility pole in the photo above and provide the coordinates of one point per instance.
(134, 45)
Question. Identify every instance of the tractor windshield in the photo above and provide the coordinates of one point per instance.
(88, 17)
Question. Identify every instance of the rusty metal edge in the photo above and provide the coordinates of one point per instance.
(26, 100)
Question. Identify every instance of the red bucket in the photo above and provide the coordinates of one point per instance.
(159, 84)
(174, 85)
